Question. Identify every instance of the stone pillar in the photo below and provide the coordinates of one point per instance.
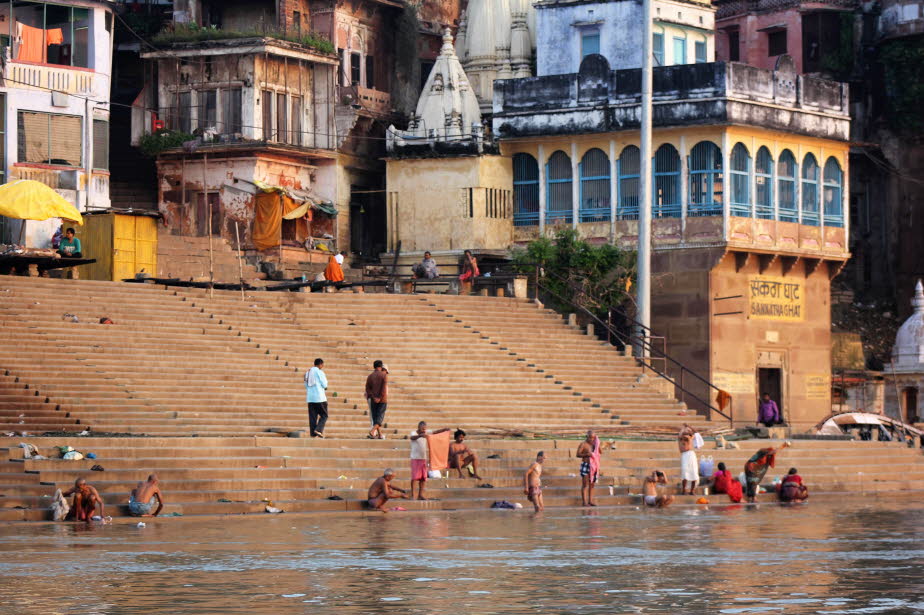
(614, 190)
(542, 194)
(575, 185)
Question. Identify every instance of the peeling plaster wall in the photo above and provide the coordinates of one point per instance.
(439, 204)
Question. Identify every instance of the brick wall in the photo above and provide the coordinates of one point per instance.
(294, 15)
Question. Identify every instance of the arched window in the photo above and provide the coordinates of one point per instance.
(558, 188)
(525, 190)
(629, 174)
(763, 184)
(595, 186)
(810, 190)
(666, 193)
(740, 171)
(833, 192)
(705, 180)
(786, 180)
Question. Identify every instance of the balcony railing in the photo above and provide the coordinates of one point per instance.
(44, 77)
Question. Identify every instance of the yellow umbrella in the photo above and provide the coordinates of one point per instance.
(27, 199)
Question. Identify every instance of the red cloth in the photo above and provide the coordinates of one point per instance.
(595, 459)
(734, 490)
(418, 469)
(720, 481)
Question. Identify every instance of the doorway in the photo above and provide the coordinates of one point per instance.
(770, 381)
(368, 223)
(203, 212)
(910, 404)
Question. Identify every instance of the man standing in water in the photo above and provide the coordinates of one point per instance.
(533, 482)
(589, 453)
(689, 470)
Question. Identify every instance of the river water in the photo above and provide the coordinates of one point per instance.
(853, 557)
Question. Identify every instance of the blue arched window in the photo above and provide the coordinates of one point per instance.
(525, 190)
(705, 180)
(810, 190)
(558, 188)
(740, 172)
(595, 186)
(763, 184)
(833, 193)
(629, 175)
(666, 193)
(786, 180)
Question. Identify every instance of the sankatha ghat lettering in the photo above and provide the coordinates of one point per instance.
(773, 298)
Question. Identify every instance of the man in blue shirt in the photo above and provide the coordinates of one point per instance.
(315, 385)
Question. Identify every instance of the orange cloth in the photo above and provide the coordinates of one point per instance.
(267, 222)
(31, 43)
(439, 450)
(333, 272)
(723, 398)
(54, 37)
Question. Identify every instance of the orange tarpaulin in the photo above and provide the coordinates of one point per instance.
(267, 223)
(439, 450)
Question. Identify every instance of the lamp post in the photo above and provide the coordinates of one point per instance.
(645, 194)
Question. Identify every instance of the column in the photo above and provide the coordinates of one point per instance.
(614, 191)
(542, 196)
(726, 202)
(575, 185)
(684, 186)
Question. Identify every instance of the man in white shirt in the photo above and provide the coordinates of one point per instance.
(420, 457)
(315, 386)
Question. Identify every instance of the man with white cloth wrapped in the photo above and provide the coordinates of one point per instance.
(689, 466)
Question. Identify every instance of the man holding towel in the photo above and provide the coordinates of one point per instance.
(589, 454)
(316, 385)
(420, 456)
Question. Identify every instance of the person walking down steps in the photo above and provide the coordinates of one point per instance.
(316, 386)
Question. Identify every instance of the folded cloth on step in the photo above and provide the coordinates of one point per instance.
(439, 450)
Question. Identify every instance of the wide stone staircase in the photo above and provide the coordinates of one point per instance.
(202, 389)
(187, 258)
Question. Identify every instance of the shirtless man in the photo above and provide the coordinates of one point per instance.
(650, 490)
(589, 454)
(142, 497)
(382, 490)
(533, 482)
(86, 499)
(689, 467)
(460, 455)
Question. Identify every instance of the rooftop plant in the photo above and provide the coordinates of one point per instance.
(193, 33)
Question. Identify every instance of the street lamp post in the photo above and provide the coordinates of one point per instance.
(645, 195)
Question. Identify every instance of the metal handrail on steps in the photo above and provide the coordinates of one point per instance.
(636, 341)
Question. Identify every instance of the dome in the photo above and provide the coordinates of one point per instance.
(908, 352)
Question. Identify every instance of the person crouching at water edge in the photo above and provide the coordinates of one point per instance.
(650, 490)
(382, 490)
(533, 482)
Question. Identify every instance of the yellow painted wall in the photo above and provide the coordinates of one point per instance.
(122, 245)
(441, 204)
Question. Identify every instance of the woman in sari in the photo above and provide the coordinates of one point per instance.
(333, 272)
(469, 268)
(757, 466)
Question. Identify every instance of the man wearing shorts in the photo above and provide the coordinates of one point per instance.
(533, 482)
(377, 396)
(420, 457)
(142, 499)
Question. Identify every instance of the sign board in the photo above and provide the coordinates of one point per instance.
(817, 386)
(734, 382)
(775, 298)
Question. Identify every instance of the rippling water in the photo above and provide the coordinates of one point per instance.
(817, 558)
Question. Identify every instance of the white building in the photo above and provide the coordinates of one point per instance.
(682, 33)
(55, 67)
(905, 377)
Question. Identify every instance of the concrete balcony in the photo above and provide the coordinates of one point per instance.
(29, 76)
